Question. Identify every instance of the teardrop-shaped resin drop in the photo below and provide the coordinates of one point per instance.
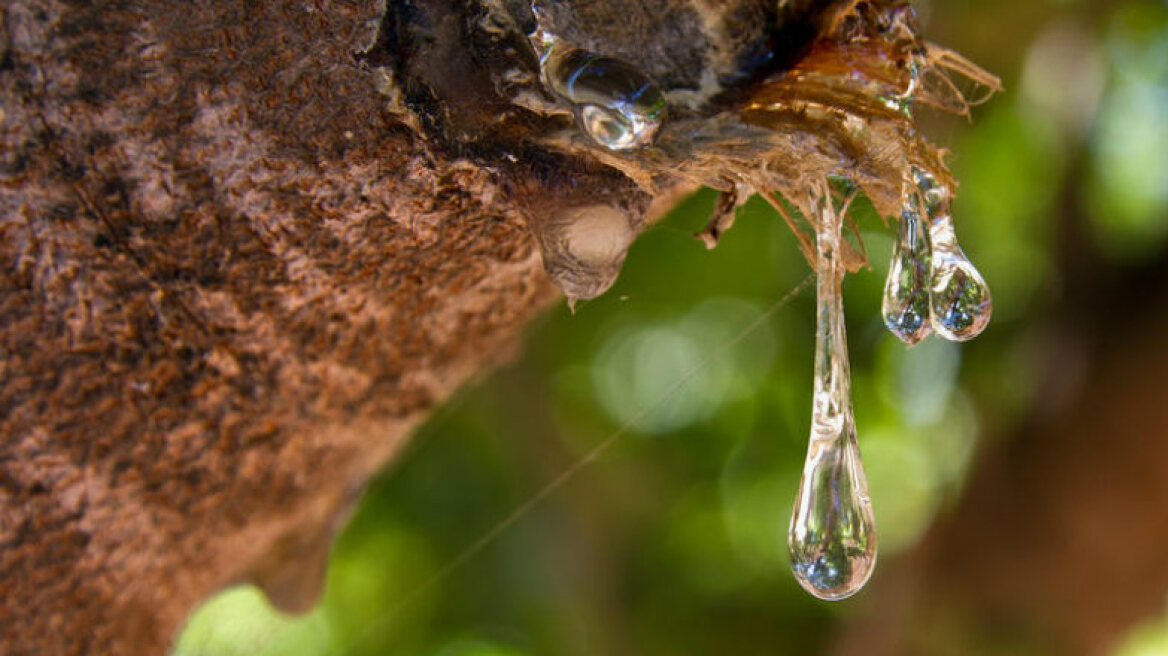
(616, 104)
(959, 299)
(960, 304)
(906, 291)
(832, 536)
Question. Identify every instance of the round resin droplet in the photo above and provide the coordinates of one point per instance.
(906, 291)
(615, 104)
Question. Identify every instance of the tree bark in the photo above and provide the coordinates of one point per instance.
(231, 284)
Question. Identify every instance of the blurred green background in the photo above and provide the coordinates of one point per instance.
(673, 542)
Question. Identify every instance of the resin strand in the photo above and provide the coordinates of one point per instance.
(832, 535)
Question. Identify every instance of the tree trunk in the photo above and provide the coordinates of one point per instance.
(231, 284)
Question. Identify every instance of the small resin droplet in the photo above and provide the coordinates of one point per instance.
(832, 536)
(615, 104)
(959, 299)
(906, 292)
(584, 247)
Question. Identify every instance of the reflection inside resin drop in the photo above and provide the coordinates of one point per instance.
(615, 104)
(906, 291)
(959, 299)
(832, 536)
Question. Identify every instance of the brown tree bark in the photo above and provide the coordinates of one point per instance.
(231, 284)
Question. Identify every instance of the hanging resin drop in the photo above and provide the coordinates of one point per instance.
(906, 291)
(583, 247)
(615, 104)
(832, 536)
(959, 299)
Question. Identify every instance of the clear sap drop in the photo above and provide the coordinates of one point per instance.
(832, 536)
(615, 104)
(959, 299)
(906, 292)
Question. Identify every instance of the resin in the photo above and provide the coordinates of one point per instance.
(906, 291)
(615, 104)
(959, 299)
(832, 536)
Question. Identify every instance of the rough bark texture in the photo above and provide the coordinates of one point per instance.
(230, 284)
